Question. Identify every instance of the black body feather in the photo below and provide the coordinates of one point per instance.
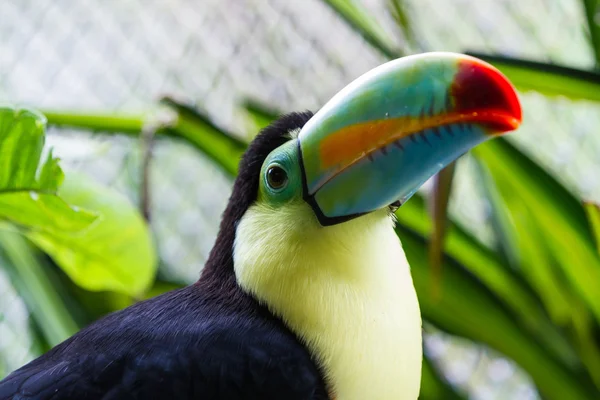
(208, 341)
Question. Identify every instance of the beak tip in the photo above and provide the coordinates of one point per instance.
(480, 88)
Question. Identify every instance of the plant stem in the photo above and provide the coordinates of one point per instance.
(107, 122)
(195, 129)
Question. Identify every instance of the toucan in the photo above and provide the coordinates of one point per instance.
(307, 293)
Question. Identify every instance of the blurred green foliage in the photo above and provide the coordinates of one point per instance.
(28, 185)
(116, 253)
(94, 234)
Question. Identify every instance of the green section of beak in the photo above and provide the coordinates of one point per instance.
(378, 140)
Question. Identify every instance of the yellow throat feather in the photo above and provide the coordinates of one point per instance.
(345, 290)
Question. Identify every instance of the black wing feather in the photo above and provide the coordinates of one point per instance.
(176, 346)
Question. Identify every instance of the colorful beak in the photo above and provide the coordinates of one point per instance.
(379, 139)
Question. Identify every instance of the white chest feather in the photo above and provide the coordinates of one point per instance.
(346, 290)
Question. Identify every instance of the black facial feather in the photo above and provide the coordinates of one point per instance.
(219, 267)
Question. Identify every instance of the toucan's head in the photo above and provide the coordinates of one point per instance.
(378, 140)
(314, 178)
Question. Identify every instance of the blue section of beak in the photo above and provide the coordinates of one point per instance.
(402, 167)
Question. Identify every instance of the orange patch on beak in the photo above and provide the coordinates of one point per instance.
(354, 142)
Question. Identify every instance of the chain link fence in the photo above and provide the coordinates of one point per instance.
(123, 54)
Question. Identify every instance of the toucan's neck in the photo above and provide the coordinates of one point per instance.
(218, 269)
(286, 260)
(345, 290)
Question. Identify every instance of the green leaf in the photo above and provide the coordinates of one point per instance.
(548, 79)
(559, 215)
(51, 175)
(527, 251)
(592, 14)
(221, 146)
(115, 254)
(490, 270)
(21, 144)
(369, 28)
(593, 213)
(524, 247)
(260, 114)
(467, 308)
(42, 211)
(27, 185)
(30, 276)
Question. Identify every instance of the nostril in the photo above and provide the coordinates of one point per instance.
(395, 205)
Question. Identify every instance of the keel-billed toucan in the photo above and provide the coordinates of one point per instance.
(306, 293)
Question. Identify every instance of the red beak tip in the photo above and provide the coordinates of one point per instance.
(480, 87)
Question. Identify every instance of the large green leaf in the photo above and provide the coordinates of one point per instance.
(488, 268)
(548, 79)
(527, 251)
(467, 308)
(559, 215)
(115, 254)
(593, 212)
(27, 185)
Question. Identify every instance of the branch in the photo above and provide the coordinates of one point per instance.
(160, 122)
(191, 125)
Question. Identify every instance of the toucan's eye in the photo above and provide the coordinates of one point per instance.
(277, 178)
